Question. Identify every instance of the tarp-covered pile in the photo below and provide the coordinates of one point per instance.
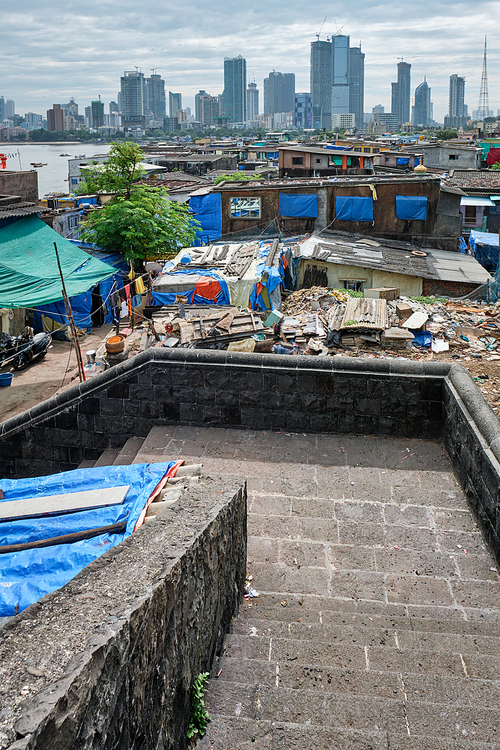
(29, 574)
(29, 275)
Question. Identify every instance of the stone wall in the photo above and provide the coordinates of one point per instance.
(262, 392)
(108, 661)
(471, 436)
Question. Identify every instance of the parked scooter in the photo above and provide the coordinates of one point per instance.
(25, 348)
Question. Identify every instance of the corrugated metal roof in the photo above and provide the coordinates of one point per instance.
(476, 200)
(368, 313)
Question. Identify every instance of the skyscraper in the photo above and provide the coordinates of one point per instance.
(279, 92)
(302, 113)
(133, 99)
(400, 93)
(55, 119)
(252, 101)
(10, 108)
(337, 80)
(2, 108)
(155, 97)
(357, 85)
(174, 103)
(206, 108)
(97, 109)
(422, 108)
(235, 84)
(457, 109)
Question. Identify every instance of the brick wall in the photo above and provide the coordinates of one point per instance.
(457, 288)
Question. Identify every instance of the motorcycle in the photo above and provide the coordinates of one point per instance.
(25, 348)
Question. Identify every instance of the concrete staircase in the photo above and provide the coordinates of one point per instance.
(139, 450)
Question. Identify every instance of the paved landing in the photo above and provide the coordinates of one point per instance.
(377, 624)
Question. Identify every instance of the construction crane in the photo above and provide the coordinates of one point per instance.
(321, 29)
(339, 31)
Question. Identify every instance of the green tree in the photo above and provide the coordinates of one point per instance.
(116, 175)
(446, 134)
(140, 222)
(145, 226)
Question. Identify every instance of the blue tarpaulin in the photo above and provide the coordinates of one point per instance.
(27, 575)
(401, 161)
(207, 210)
(210, 289)
(412, 207)
(81, 307)
(485, 248)
(266, 294)
(350, 208)
(298, 205)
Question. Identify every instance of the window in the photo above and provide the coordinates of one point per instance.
(297, 159)
(358, 149)
(355, 285)
(470, 215)
(73, 221)
(245, 208)
(453, 157)
(318, 161)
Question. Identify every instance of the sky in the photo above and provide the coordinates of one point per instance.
(66, 48)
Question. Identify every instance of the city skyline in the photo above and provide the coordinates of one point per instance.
(94, 46)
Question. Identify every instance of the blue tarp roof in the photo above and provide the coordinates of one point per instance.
(28, 575)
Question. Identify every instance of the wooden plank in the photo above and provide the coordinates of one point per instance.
(77, 536)
(69, 502)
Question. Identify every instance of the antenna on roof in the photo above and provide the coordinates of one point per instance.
(321, 29)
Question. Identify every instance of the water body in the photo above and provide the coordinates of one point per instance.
(53, 177)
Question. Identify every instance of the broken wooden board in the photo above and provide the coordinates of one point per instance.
(416, 321)
(363, 313)
(69, 502)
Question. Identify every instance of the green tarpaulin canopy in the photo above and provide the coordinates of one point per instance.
(29, 275)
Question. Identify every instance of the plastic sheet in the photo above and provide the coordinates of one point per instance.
(411, 207)
(298, 205)
(207, 210)
(27, 575)
(349, 208)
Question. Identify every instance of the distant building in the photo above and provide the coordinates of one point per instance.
(97, 113)
(2, 109)
(155, 97)
(174, 103)
(206, 108)
(337, 80)
(343, 121)
(113, 107)
(378, 109)
(252, 101)
(55, 118)
(302, 110)
(10, 109)
(133, 96)
(235, 85)
(71, 108)
(33, 120)
(357, 84)
(457, 109)
(400, 93)
(279, 92)
(385, 122)
(422, 111)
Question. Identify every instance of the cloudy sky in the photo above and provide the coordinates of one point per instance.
(51, 51)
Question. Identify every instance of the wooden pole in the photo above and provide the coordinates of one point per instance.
(81, 371)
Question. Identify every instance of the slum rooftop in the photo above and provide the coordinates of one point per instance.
(473, 179)
(13, 206)
(337, 180)
(394, 257)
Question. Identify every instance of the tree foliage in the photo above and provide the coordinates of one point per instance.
(446, 134)
(236, 177)
(145, 226)
(117, 174)
(140, 222)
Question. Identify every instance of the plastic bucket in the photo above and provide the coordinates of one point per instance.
(5, 379)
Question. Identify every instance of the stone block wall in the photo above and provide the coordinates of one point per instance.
(115, 651)
(471, 436)
(262, 392)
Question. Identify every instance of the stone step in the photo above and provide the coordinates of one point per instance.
(314, 609)
(243, 734)
(366, 713)
(370, 635)
(129, 451)
(458, 691)
(107, 457)
(87, 464)
(155, 447)
(369, 657)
